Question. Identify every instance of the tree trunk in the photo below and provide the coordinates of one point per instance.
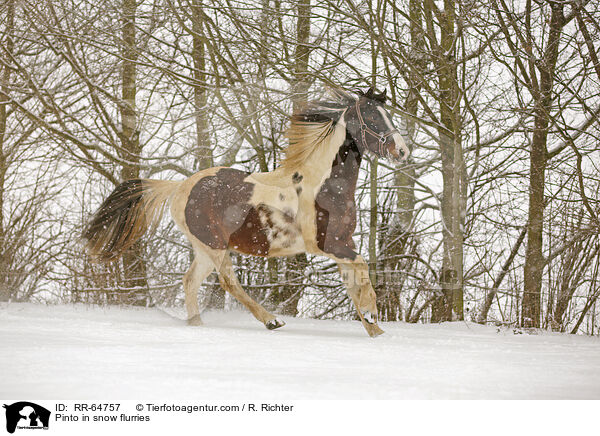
(301, 55)
(534, 259)
(134, 268)
(286, 298)
(373, 221)
(450, 305)
(4, 85)
(203, 153)
(398, 237)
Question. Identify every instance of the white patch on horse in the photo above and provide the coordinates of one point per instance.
(401, 148)
(285, 233)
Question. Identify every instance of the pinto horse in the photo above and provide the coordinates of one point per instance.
(305, 205)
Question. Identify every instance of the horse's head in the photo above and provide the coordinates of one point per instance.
(370, 125)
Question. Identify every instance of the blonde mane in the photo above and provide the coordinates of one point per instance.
(305, 138)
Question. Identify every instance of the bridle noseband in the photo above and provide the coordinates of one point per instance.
(381, 137)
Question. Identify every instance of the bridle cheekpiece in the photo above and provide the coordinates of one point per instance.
(364, 129)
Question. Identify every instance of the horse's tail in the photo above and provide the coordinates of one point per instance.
(129, 211)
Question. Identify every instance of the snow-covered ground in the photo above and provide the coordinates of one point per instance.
(84, 352)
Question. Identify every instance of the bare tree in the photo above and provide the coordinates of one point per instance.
(499, 107)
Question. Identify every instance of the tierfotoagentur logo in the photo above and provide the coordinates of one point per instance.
(26, 415)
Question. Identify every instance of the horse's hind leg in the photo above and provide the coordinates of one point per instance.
(201, 267)
(230, 283)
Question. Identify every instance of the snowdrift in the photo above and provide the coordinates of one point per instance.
(84, 352)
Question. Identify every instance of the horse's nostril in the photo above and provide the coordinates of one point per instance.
(401, 146)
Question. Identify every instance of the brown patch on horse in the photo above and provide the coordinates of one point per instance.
(251, 237)
(218, 213)
(334, 204)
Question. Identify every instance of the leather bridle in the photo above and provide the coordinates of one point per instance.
(381, 137)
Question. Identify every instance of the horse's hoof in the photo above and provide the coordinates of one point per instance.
(274, 324)
(373, 330)
(369, 317)
(195, 321)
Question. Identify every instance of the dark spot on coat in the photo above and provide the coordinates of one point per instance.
(297, 177)
(288, 215)
(298, 190)
(281, 197)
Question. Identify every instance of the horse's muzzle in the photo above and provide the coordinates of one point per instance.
(397, 149)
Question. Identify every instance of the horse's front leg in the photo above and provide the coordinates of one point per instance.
(355, 275)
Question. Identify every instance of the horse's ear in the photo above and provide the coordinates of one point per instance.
(381, 98)
(370, 93)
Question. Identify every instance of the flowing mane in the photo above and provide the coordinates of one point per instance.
(310, 128)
